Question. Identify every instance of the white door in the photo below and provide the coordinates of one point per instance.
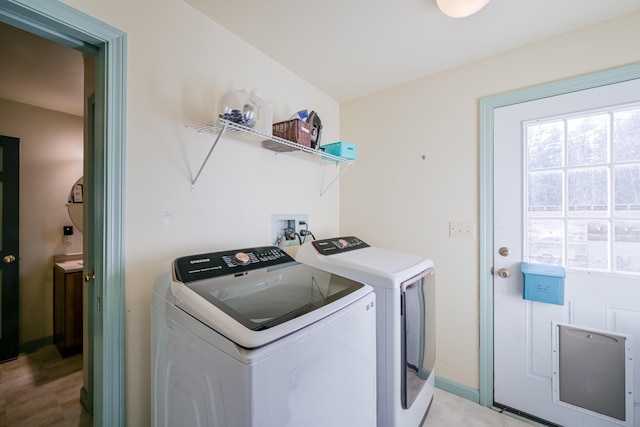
(567, 193)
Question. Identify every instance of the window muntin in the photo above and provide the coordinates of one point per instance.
(583, 190)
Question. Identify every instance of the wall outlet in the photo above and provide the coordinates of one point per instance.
(462, 229)
(287, 227)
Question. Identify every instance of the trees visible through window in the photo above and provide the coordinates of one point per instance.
(583, 190)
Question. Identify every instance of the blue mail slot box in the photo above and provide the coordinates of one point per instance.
(543, 283)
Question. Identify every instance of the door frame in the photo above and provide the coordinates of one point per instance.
(65, 25)
(487, 107)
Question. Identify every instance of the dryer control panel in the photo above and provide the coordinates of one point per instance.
(337, 245)
(237, 261)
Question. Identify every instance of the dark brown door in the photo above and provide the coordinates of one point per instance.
(9, 204)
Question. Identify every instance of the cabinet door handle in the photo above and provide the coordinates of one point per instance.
(89, 277)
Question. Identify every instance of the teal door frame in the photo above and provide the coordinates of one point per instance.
(105, 175)
(487, 107)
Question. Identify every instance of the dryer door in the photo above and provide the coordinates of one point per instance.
(418, 334)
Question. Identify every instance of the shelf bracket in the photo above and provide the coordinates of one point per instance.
(248, 135)
(220, 133)
(324, 190)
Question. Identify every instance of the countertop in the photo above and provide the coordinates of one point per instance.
(69, 263)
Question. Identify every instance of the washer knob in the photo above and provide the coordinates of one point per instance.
(342, 243)
(241, 258)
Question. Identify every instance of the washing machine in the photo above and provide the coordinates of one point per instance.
(252, 338)
(404, 285)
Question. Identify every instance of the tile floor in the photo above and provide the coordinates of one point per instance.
(449, 410)
(42, 389)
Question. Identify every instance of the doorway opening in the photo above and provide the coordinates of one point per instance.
(104, 181)
(43, 84)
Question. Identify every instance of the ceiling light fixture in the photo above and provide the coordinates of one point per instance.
(460, 8)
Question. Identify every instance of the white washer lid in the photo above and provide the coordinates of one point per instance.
(265, 305)
(371, 265)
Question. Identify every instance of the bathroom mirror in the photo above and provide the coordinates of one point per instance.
(75, 203)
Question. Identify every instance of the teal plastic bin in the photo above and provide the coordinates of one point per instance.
(341, 149)
(543, 283)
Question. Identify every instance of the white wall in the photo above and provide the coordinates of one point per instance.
(393, 197)
(50, 162)
(179, 65)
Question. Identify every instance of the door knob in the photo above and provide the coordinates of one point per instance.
(8, 259)
(89, 277)
(504, 251)
(504, 273)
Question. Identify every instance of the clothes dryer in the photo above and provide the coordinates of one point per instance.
(404, 285)
(251, 338)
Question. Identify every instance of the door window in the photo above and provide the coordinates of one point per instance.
(583, 190)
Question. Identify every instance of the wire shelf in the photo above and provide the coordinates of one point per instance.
(237, 132)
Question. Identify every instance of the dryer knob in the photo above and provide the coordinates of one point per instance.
(241, 258)
(342, 243)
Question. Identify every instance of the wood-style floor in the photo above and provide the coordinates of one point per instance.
(42, 389)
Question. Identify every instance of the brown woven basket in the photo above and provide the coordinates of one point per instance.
(292, 130)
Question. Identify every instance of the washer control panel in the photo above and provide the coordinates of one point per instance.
(337, 245)
(205, 266)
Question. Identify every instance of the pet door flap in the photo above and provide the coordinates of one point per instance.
(592, 372)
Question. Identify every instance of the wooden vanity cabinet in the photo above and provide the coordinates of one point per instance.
(67, 309)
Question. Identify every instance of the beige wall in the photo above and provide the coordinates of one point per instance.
(393, 197)
(179, 65)
(50, 162)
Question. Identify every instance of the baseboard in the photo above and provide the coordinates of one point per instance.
(85, 401)
(463, 391)
(33, 345)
